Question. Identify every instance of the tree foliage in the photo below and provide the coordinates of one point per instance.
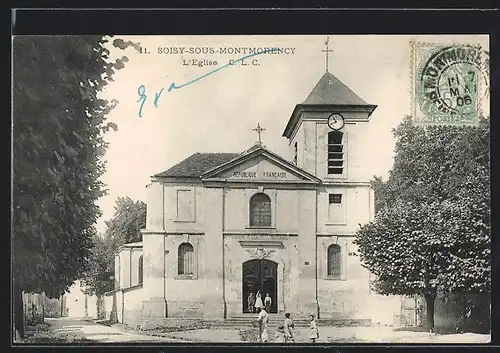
(99, 277)
(129, 218)
(124, 227)
(58, 146)
(431, 231)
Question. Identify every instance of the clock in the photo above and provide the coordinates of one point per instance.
(336, 121)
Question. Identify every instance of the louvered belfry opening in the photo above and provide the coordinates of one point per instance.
(335, 152)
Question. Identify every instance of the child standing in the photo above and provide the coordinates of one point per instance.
(267, 303)
(314, 334)
(289, 335)
(280, 335)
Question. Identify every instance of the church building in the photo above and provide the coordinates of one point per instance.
(223, 225)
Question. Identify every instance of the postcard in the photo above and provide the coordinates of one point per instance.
(252, 189)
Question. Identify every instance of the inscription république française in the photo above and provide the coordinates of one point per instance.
(271, 175)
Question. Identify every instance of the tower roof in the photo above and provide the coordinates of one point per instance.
(328, 94)
(331, 91)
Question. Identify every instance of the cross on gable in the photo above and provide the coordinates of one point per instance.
(327, 51)
(259, 130)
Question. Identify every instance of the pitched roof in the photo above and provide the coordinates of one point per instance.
(129, 245)
(197, 164)
(331, 91)
(256, 150)
(133, 245)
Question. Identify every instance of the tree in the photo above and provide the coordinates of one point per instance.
(98, 279)
(124, 227)
(129, 218)
(58, 146)
(431, 232)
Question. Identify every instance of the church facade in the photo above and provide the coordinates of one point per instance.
(223, 225)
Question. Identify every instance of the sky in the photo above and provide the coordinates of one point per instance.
(217, 112)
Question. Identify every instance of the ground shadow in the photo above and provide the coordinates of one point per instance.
(411, 329)
(440, 330)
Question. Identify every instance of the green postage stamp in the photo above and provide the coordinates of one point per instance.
(449, 83)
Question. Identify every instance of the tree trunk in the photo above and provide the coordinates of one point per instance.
(43, 306)
(62, 304)
(18, 310)
(429, 303)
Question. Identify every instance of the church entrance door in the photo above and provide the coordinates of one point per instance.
(260, 275)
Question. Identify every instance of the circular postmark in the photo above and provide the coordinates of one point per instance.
(450, 83)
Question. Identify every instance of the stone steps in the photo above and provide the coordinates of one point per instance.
(245, 320)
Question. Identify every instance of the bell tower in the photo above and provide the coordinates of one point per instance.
(322, 131)
(326, 134)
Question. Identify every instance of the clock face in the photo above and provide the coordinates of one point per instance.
(336, 121)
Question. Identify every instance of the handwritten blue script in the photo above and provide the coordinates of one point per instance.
(141, 91)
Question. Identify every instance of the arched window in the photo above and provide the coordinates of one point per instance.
(185, 259)
(260, 210)
(140, 268)
(335, 153)
(334, 260)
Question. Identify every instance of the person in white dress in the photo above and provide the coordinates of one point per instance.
(258, 301)
(314, 334)
(263, 319)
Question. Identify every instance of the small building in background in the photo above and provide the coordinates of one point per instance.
(81, 305)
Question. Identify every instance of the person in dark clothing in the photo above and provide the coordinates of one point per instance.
(251, 303)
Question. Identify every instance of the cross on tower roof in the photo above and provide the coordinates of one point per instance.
(327, 51)
(259, 130)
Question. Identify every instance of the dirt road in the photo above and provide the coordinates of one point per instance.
(77, 330)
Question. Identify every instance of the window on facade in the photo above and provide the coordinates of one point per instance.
(296, 153)
(260, 210)
(335, 198)
(335, 153)
(185, 205)
(337, 209)
(140, 269)
(185, 262)
(334, 260)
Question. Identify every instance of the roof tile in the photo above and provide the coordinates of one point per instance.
(331, 91)
(197, 164)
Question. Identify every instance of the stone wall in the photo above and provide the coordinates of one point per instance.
(133, 306)
(450, 309)
(79, 304)
(345, 296)
(33, 307)
(199, 294)
(52, 307)
(110, 307)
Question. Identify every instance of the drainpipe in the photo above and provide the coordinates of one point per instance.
(223, 255)
(316, 256)
(123, 306)
(130, 266)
